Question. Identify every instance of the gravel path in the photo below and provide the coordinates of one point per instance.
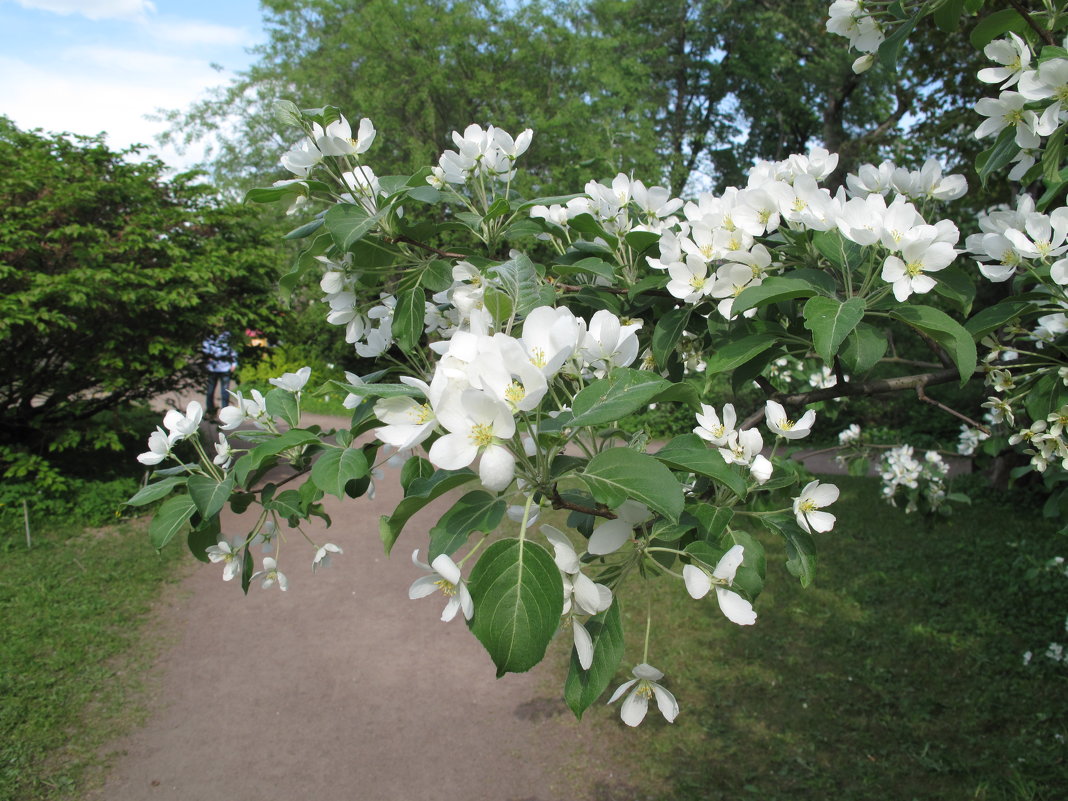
(343, 688)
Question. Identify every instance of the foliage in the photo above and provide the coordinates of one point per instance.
(899, 668)
(88, 503)
(109, 278)
(515, 334)
(674, 92)
(71, 609)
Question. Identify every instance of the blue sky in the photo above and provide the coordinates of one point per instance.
(88, 66)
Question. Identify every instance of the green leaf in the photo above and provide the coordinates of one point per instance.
(713, 521)
(1052, 155)
(349, 223)
(519, 597)
(773, 290)
(750, 575)
(993, 317)
(682, 454)
(415, 467)
(993, 25)
(420, 492)
(518, 279)
(208, 533)
(336, 468)
(830, 322)
(890, 49)
(209, 495)
(475, 511)
(997, 157)
(668, 332)
(737, 353)
(840, 252)
(288, 504)
(800, 547)
(947, 15)
(865, 345)
(247, 569)
(583, 687)
(591, 265)
(618, 474)
(307, 229)
(153, 492)
(170, 519)
(408, 316)
(641, 240)
(956, 285)
(1047, 395)
(294, 438)
(283, 403)
(623, 392)
(380, 390)
(946, 331)
(498, 208)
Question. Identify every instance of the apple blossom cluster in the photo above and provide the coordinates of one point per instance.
(482, 381)
(1033, 110)
(1022, 242)
(903, 474)
(1045, 441)
(626, 205)
(185, 427)
(481, 154)
(853, 20)
(714, 253)
(969, 439)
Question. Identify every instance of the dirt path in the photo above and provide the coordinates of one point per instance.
(343, 688)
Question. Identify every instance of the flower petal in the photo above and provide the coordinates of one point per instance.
(669, 707)
(583, 644)
(735, 607)
(697, 581)
(634, 709)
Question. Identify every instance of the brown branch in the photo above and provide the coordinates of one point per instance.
(937, 349)
(559, 502)
(443, 253)
(1046, 36)
(923, 396)
(876, 386)
(660, 293)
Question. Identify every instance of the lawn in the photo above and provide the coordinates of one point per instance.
(898, 675)
(72, 655)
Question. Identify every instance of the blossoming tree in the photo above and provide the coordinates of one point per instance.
(514, 334)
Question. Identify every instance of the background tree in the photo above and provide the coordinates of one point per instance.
(670, 91)
(109, 277)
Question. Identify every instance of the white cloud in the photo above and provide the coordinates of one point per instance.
(94, 9)
(90, 90)
(189, 32)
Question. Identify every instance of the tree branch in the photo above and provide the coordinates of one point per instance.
(443, 253)
(559, 502)
(923, 396)
(876, 386)
(1046, 36)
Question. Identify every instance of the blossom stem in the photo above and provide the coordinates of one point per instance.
(648, 626)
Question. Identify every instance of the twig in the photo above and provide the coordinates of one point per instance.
(1046, 36)
(937, 349)
(927, 399)
(660, 293)
(415, 243)
(876, 386)
(560, 503)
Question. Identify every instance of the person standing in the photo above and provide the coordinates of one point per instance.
(221, 363)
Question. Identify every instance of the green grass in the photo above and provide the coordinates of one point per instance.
(72, 651)
(897, 675)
